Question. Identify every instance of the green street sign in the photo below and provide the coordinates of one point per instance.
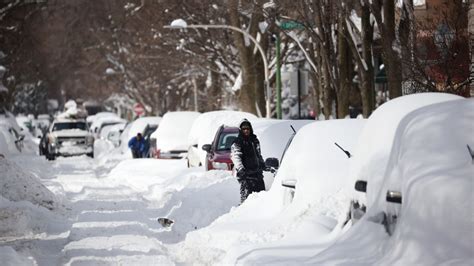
(291, 25)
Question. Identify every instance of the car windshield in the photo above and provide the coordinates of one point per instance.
(226, 140)
(69, 125)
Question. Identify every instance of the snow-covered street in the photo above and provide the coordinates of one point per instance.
(115, 210)
(113, 215)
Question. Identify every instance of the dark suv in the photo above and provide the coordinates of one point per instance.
(218, 153)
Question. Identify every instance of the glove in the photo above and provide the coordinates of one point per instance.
(241, 174)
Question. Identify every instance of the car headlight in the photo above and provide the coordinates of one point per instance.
(219, 166)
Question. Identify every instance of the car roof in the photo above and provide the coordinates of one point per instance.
(65, 120)
(228, 129)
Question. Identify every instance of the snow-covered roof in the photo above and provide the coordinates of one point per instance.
(172, 134)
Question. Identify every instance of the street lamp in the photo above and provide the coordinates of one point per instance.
(181, 24)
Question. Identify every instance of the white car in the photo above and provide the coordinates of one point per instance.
(68, 137)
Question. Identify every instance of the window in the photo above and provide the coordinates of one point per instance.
(69, 125)
(226, 140)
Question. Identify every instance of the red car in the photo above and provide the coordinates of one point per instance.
(218, 153)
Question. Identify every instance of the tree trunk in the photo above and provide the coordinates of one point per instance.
(252, 78)
(367, 75)
(344, 64)
(391, 57)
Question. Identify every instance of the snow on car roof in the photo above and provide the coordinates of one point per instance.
(172, 134)
(140, 124)
(205, 126)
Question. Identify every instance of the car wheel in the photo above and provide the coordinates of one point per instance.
(91, 154)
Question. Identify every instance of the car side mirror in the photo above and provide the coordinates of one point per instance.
(361, 186)
(206, 147)
(195, 145)
(272, 162)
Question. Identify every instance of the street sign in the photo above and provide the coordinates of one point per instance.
(138, 109)
(291, 25)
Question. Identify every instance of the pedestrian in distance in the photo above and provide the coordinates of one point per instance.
(248, 161)
(137, 145)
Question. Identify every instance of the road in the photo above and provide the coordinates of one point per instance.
(109, 209)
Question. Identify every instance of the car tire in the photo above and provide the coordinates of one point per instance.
(91, 154)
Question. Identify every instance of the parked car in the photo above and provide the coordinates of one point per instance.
(373, 151)
(13, 138)
(170, 140)
(68, 137)
(114, 134)
(218, 152)
(204, 130)
(102, 122)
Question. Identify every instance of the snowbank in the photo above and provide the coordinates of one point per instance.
(11, 258)
(26, 205)
(18, 185)
(193, 198)
(273, 216)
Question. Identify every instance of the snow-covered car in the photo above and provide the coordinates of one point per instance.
(100, 123)
(91, 118)
(204, 130)
(170, 140)
(68, 137)
(430, 165)
(114, 132)
(373, 150)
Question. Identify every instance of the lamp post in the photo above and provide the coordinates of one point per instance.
(181, 24)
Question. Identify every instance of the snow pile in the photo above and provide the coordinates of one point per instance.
(18, 185)
(272, 216)
(71, 111)
(191, 197)
(25, 203)
(172, 134)
(11, 258)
